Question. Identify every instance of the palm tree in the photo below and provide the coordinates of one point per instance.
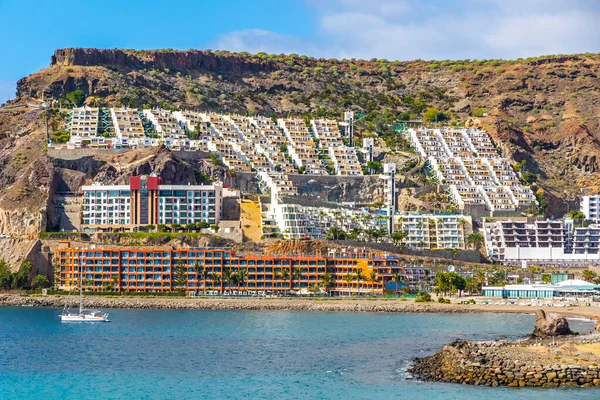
(398, 237)
(373, 278)
(216, 279)
(206, 274)
(475, 239)
(242, 276)
(285, 276)
(296, 273)
(397, 278)
(326, 280)
(199, 270)
(226, 277)
(360, 277)
(348, 279)
(588, 275)
(277, 277)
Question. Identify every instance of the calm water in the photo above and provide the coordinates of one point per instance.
(245, 355)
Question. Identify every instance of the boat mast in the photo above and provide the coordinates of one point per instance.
(81, 284)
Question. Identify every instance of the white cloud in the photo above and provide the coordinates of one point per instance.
(427, 29)
(259, 40)
(7, 90)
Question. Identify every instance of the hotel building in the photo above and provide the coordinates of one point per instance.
(152, 270)
(146, 201)
(548, 240)
(434, 231)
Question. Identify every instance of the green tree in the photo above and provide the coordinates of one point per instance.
(574, 214)
(434, 115)
(202, 225)
(20, 279)
(588, 275)
(242, 276)
(285, 276)
(373, 277)
(398, 237)
(475, 239)
(199, 270)
(529, 177)
(181, 278)
(374, 167)
(336, 233)
(277, 278)
(349, 278)
(360, 277)
(215, 277)
(5, 275)
(442, 282)
(190, 227)
(326, 280)
(296, 274)
(40, 281)
(459, 283)
(397, 279)
(77, 97)
(227, 277)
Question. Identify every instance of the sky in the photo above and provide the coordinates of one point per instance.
(30, 30)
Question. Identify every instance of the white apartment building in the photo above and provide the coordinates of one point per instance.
(548, 240)
(590, 207)
(296, 221)
(84, 122)
(146, 201)
(466, 162)
(434, 231)
(128, 124)
(165, 124)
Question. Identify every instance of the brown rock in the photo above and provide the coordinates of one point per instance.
(547, 324)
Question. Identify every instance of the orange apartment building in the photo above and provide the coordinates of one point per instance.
(154, 270)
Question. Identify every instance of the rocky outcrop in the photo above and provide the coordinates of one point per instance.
(159, 59)
(21, 222)
(501, 364)
(359, 189)
(549, 324)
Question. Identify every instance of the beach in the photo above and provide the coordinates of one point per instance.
(303, 304)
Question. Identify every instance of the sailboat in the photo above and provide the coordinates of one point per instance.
(82, 315)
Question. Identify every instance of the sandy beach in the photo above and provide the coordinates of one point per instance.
(306, 304)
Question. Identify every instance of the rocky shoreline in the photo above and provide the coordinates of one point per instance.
(511, 364)
(203, 303)
(552, 356)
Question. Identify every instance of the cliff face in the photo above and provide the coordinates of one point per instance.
(26, 174)
(176, 60)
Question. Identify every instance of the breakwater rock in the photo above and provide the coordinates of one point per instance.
(549, 324)
(512, 364)
(221, 303)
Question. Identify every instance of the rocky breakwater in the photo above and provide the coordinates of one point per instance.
(223, 303)
(540, 361)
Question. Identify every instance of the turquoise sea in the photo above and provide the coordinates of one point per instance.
(163, 354)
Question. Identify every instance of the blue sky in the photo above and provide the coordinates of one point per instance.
(392, 29)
